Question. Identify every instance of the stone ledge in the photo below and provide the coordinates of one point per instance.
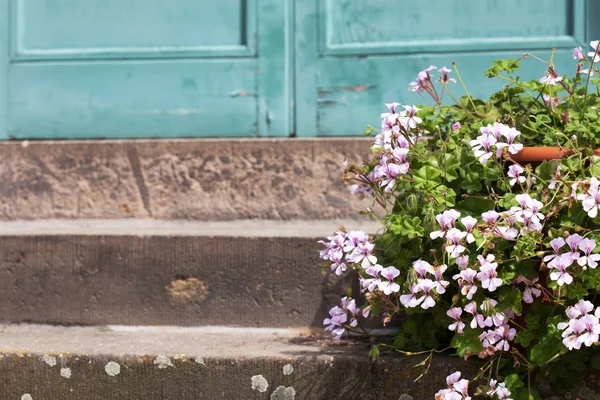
(95, 279)
(161, 363)
(158, 363)
(148, 227)
(195, 179)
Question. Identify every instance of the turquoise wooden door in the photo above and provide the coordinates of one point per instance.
(244, 68)
(144, 68)
(352, 55)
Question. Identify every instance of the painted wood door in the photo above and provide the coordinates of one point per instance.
(352, 55)
(144, 68)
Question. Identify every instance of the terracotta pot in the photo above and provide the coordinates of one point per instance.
(538, 154)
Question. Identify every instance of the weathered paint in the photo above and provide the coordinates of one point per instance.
(349, 66)
(144, 69)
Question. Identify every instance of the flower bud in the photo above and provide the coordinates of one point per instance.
(411, 204)
(488, 308)
(411, 277)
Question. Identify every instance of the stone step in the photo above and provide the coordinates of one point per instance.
(195, 179)
(148, 272)
(162, 363)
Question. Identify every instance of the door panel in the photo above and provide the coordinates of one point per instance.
(145, 68)
(368, 53)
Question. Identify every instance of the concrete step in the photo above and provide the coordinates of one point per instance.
(150, 363)
(148, 272)
(196, 179)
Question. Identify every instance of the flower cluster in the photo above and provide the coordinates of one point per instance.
(481, 250)
(424, 291)
(458, 389)
(493, 139)
(342, 316)
(348, 248)
(424, 82)
(583, 328)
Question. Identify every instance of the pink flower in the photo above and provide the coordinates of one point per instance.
(506, 335)
(578, 53)
(455, 236)
(596, 52)
(560, 265)
(337, 264)
(363, 255)
(488, 275)
(506, 232)
(482, 147)
(551, 78)
(469, 223)
(462, 261)
(498, 389)
(371, 284)
(447, 221)
(423, 81)
(445, 71)
(591, 200)
(411, 300)
(354, 238)
(421, 268)
(427, 286)
(466, 281)
(573, 241)
(458, 389)
(456, 126)
(490, 217)
(458, 325)
(530, 291)
(478, 319)
(440, 283)
(550, 101)
(389, 286)
(510, 134)
(389, 169)
(556, 244)
(587, 246)
(336, 322)
(514, 172)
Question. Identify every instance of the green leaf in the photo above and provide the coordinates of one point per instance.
(524, 338)
(511, 298)
(513, 382)
(403, 225)
(427, 177)
(476, 205)
(467, 342)
(374, 353)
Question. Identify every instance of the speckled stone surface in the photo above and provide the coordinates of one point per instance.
(162, 364)
(208, 179)
(260, 274)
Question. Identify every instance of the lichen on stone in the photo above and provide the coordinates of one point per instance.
(65, 372)
(259, 383)
(112, 368)
(50, 360)
(288, 369)
(163, 362)
(283, 393)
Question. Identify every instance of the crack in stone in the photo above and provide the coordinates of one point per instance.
(138, 174)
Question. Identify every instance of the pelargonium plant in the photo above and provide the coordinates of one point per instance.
(481, 251)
